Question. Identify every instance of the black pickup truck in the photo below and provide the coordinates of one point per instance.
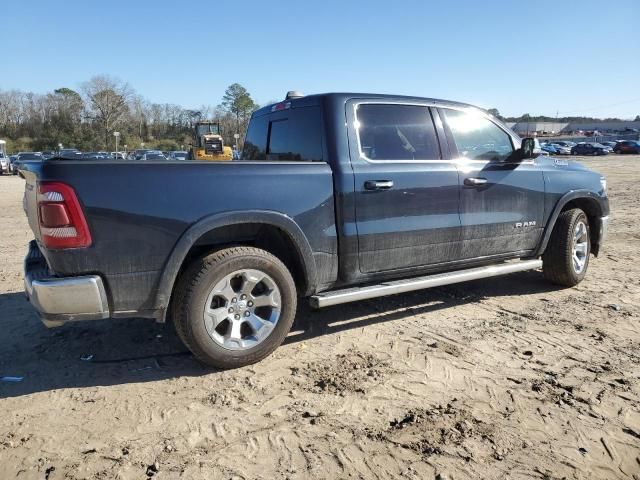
(337, 197)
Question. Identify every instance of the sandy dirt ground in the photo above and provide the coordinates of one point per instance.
(505, 378)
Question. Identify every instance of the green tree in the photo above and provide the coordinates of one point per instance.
(495, 113)
(637, 119)
(65, 118)
(238, 101)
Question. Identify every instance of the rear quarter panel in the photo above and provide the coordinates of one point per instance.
(137, 212)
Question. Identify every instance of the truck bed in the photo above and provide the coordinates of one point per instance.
(137, 212)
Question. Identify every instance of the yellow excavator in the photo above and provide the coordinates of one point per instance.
(208, 144)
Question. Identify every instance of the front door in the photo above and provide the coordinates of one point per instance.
(501, 197)
(406, 194)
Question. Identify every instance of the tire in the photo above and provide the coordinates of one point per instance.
(568, 239)
(221, 284)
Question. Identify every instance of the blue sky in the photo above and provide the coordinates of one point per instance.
(542, 57)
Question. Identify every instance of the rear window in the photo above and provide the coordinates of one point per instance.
(290, 135)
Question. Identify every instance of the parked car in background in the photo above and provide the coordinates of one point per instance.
(611, 145)
(27, 156)
(77, 155)
(23, 156)
(67, 152)
(549, 148)
(119, 155)
(627, 146)
(565, 143)
(137, 154)
(97, 156)
(561, 149)
(12, 164)
(589, 148)
(5, 164)
(153, 155)
(178, 155)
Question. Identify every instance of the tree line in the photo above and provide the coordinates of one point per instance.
(87, 118)
(525, 117)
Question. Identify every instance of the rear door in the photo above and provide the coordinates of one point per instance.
(406, 194)
(501, 198)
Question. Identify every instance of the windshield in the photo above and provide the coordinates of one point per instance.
(208, 128)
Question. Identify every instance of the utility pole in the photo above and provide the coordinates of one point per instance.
(117, 135)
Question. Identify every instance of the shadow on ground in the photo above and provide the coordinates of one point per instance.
(114, 352)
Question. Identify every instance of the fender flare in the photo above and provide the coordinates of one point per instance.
(566, 198)
(275, 219)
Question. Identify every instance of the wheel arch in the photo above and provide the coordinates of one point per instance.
(589, 203)
(273, 231)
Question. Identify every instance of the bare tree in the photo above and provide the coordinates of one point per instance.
(107, 99)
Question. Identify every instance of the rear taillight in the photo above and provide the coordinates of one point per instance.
(62, 222)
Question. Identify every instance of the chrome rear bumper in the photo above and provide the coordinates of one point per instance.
(60, 300)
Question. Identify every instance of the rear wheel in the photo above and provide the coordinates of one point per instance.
(566, 258)
(235, 306)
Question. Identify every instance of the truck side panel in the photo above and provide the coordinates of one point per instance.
(137, 212)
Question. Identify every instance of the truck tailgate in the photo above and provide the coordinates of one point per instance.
(31, 174)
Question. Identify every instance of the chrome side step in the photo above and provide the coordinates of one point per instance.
(337, 297)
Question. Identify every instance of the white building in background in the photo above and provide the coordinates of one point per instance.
(539, 128)
(555, 128)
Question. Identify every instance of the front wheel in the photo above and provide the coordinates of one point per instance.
(566, 258)
(235, 306)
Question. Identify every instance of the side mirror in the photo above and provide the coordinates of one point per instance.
(526, 148)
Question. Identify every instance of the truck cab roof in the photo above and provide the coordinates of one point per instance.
(338, 98)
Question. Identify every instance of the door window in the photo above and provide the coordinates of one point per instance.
(477, 137)
(396, 132)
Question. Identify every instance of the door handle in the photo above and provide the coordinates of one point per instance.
(474, 182)
(378, 184)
